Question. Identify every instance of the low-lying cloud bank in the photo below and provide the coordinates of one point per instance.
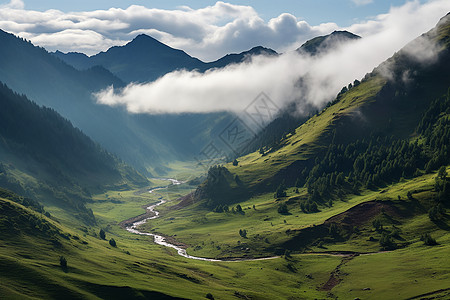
(286, 78)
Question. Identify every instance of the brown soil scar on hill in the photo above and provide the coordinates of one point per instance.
(364, 212)
(335, 276)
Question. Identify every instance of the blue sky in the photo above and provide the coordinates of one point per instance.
(342, 12)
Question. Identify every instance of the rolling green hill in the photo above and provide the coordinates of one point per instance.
(31, 247)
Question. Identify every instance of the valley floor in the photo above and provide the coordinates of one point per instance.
(332, 267)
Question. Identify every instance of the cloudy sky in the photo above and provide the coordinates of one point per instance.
(209, 30)
(342, 12)
(321, 77)
(205, 29)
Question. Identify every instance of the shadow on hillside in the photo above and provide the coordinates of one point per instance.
(442, 223)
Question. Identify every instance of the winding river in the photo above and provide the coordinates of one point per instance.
(160, 240)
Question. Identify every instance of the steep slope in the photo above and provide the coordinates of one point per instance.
(44, 156)
(388, 102)
(322, 44)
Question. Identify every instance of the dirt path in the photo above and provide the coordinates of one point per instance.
(336, 275)
(432, 294)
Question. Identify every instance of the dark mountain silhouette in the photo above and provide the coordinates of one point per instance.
(146, 59)
(236, 58)
(79, 61)
(43, 156)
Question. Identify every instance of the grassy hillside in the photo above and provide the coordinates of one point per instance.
(384, 104)
(134, 269)
(31, 245)
(216, 234)
(347, 252)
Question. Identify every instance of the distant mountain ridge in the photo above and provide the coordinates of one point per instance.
(235, 58)
(146, 59)
(79, 61)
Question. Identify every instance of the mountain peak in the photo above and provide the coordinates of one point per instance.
(324, 43)
(144, 40)
(235, 58)
(258, 50)
(144, 37)
(346, 33)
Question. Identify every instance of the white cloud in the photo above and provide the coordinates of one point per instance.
(85, 40)
(229, 89)
(207, 33)
(233, 88)
(213, 31)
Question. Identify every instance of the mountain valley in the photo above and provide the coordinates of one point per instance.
(346, 200)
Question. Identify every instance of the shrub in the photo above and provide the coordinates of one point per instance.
(377, 225)
(281, 192)
(333, 229)
(63, 262)
(386, 242)
(283, 209)
(243, 233)
(112, 242)
(428, 240)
